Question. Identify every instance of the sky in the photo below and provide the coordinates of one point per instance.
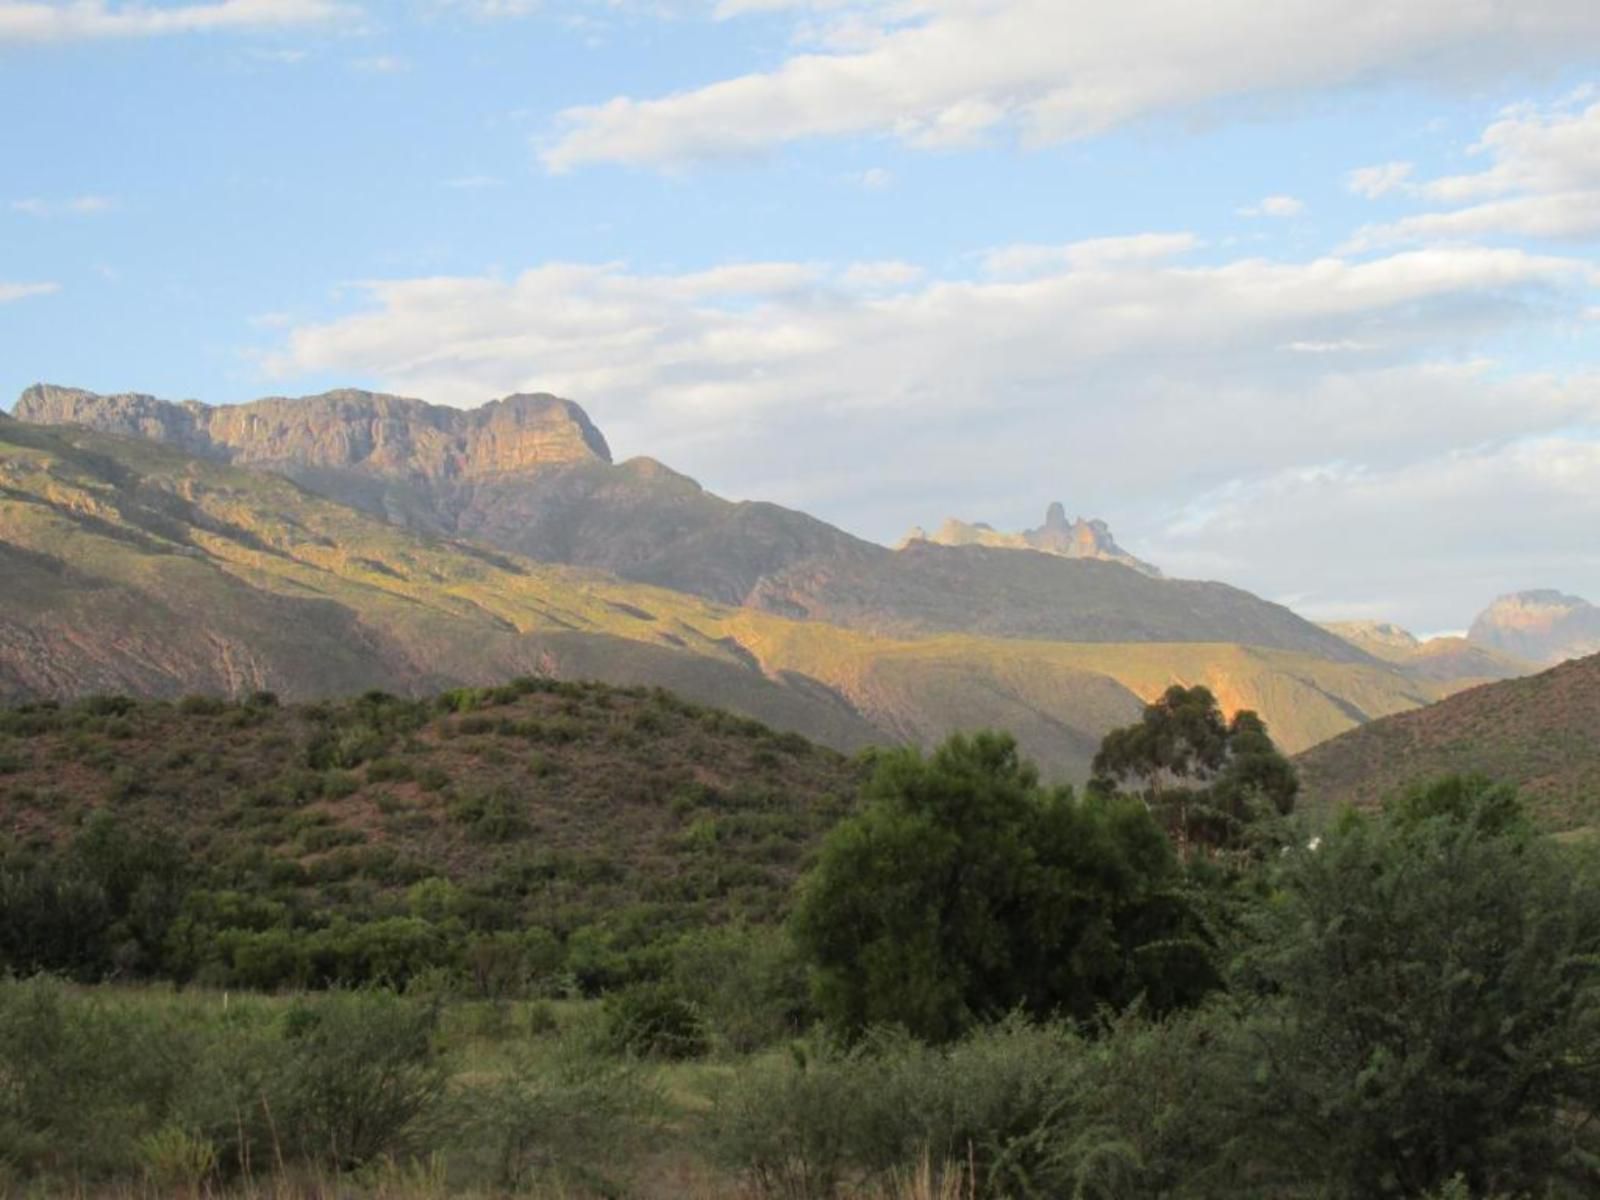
(1299, 296)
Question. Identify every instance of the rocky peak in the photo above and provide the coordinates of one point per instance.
(343, 429)
(1541, 625)
(1078, 538)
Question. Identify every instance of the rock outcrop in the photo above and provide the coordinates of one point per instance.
(1077, 538)
(1542, 626)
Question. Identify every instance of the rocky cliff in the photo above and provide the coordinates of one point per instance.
(1540, 626)
(1078, 538)
(532, 475)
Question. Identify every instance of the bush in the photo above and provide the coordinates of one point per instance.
(653, 1020)
(570, 1119)
(361, 1077)
(750, 985)
(1431, 1004)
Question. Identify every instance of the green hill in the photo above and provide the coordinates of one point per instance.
(1538, 733)
(542, 805)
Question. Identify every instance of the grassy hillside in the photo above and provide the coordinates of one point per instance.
(605, 818)
(1537, 733)
(130, 566)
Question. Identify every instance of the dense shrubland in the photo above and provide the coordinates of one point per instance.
(1162, 987)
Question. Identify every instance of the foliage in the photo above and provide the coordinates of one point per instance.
(1430, 1006)
(653, 1020)
(964, 890)
(1206, 777)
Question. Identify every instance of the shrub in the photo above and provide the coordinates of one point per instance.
(569, 1120)
(653, 1020)
(361, 1077)
(1431, 984)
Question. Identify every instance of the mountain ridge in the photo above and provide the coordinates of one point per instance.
(643, 522)
(131, 566)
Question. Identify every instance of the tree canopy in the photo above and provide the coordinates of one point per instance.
(1204, 777)
(964, 890)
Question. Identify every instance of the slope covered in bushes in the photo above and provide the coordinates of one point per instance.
(542, 827)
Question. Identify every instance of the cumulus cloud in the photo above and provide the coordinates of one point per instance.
(1337, 528)
(1275, 206)
(1542, 181)
(21, 291)
(79, 20)
(941, 72)
(1373, 182)
(1116, 373)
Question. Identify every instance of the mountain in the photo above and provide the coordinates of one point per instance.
(1540, 626)
(1537, 733)
(1068, 539)
(531, 475)
(131, 566)
(1453, 663)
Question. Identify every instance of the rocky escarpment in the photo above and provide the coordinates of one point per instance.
(347, 429)
(1541, 626)
(1077, 538)
(531, 475)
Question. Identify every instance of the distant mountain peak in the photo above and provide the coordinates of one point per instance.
(1077, 538)
(1542, 625)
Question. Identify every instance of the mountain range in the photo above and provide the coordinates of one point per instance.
(349, 540)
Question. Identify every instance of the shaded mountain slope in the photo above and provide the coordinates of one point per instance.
(135, 567)
(994, 592)
(1538, 733)
(1452, 663)
(532, 476)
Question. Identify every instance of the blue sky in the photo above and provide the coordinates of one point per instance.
(1301, 299)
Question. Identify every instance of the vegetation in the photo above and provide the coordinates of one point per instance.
(963, 891)
(538, 837)
(1537, 734)
(1206, 778)
(984, 986)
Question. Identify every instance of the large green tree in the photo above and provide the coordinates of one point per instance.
(964, 889)
(1207, 779)
(1429, 1004)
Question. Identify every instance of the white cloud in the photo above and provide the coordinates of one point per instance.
(877, 179)
(1275, 206)
(80, 206)
(1093, 254)
(1543, 181)
(22, 291)
(381, 64)
(78, 20)
(941, 72)
(1118, 375)
(1444, 533)
(1373, 182)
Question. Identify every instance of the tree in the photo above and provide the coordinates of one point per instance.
(1207, 779)
(964, 890)
(1430, 1004)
